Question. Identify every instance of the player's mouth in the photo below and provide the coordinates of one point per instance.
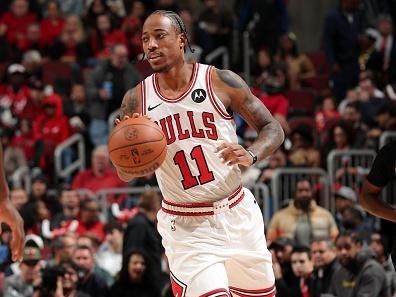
(154, 57)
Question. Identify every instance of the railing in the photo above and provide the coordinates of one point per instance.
(284, 180)
(262, 193)
(386, 137)
(349, 167)
(247, 48)
(22, 179)
(112, 118)
(219, 52)
(78, 163)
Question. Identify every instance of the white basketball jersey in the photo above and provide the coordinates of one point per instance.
(194, 125)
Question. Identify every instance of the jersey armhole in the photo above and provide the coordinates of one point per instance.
(142, 97)
(217, 104)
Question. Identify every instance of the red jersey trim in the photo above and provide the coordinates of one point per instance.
(193, 79)
(268, 292)
(142, 97)
(217, 293)
(217, 105)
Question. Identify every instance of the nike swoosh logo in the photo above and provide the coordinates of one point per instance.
(150, 108)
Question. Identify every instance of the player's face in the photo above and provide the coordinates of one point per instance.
(162, 44)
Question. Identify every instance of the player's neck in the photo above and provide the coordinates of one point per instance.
(177, 78)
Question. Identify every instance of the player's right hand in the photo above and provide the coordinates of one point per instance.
(134, 115)
(10, 215)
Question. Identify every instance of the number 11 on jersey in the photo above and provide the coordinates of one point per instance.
(189, 180)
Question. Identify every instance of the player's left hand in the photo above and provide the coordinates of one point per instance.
(11, 217)
(233, 154)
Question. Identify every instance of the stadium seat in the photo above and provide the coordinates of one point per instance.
(301, 102)
(319, 61)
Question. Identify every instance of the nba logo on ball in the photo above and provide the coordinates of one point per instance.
(198, 95)
(135, 156)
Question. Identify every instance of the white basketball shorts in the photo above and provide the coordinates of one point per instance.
(217, 249)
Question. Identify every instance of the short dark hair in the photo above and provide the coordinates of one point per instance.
(354, 236)
(148, 200)
(301, 249)
(330, 243)
(85, 247)
(354, 105)
(114, 225)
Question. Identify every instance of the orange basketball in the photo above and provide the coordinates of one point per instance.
(137, 146)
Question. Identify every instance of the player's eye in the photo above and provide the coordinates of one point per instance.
(161, 35)
(145, 39)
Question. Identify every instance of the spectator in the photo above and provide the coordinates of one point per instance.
(352, 96)
(342, 27)
(61, 281)
(303, 219)
(327, 115)
(32, 41)
(360, 274)
(39, 192)
(72, 45)
(385, 119)
(353, 116)
(299, 67)
(281, 250)
(325, 262)
(90, 283)
(14, 157)
(215, 25)
(15, 22)
(62, 248)
(14, 95)
(371, 99)
(132, 28)
(303, 152)
(276, 160)
(354, 220)
(380, 246)
(133, 279)
(383, 59)
(110, 252)
(105, 89)
(142, 234)
(21, 285)
(100, 175)
(106, 37)
(33, 63)
(345, 197)
(35, 107)
(115, 6)
(18, 197)
(70, 202)
(52, 25)
(340, 137)
(302, 268)
(89, 222)
(95, 9)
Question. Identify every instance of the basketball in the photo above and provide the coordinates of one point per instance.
(137, 146)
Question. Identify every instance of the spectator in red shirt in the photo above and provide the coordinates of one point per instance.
(100, 175)
(52, 25)
(14, 96)
(24, 138)
(105, 37)
(327, 115)
(89, 219)
(15, 22)
(49, 130)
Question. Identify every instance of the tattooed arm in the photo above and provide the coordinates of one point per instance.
(236, 96)
(130, 107)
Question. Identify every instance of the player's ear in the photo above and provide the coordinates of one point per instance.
(182, 40)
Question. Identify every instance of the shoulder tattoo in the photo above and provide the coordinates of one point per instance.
(230, 78)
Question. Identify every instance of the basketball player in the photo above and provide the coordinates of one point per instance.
(211, 227)
(10, 216)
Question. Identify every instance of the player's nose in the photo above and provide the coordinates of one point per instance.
(152, 44)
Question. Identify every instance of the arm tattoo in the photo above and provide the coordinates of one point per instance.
(229, 78)
(130, 103)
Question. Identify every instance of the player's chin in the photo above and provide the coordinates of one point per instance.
(158, 67)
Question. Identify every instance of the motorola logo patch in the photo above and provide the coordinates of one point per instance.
(198, 95)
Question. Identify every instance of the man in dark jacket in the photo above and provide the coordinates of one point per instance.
(360, 274)
(105, 89)
(142, 234)
(325, 263)
(342, 27)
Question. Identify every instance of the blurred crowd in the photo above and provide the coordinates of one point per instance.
(64, 67)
